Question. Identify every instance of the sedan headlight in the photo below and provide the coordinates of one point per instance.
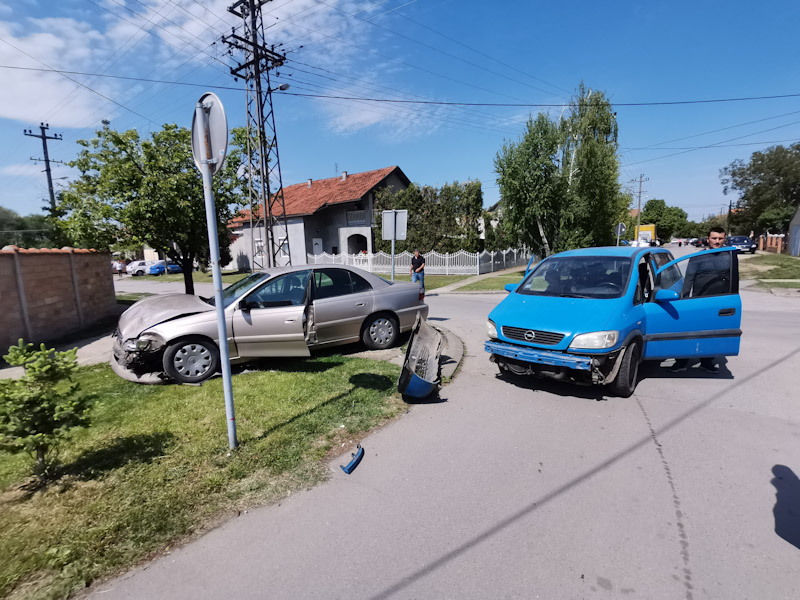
(596, 340)
(144, 342)
(491, 330)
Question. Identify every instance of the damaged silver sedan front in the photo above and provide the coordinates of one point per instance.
(284, 312)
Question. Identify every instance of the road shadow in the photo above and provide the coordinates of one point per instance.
(787, 504)
(285, 365)
(647, 370)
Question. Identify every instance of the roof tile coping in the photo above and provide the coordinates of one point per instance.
(64, 250)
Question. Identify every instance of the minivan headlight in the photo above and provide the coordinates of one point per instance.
(491, 329)
(597, 340)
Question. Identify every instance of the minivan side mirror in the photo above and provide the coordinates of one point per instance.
(664, 295)
(510, 287)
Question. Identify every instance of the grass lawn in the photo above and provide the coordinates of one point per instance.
(197, 277)
(131, 297)
(770, 266)
(431, 281)
(494, 283)
(778, 284)
(154, 467)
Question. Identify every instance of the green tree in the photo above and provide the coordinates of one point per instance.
(38, 409)
(532, 187)
(559, 182)
(148, 191)
(768, 189)
(445, 220)
(668, 220)
(591, 166)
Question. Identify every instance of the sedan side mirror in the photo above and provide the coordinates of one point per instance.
(510, 287)
(245, 306)
(664, 295)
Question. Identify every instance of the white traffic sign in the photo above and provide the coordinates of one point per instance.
(395, 224)
(214, 136)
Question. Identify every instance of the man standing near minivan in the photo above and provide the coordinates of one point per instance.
(706, 276)
(418, 269)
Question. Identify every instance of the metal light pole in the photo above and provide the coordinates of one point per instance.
(210, 139)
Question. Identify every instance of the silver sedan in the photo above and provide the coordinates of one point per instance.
(283, 312)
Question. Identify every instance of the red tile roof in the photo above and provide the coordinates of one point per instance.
(301, 199)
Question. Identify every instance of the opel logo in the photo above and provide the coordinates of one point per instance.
(530, 335)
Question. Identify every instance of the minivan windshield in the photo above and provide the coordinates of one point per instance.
(236, 290)
(579, 277)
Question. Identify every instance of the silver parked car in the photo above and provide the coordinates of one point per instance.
(283, 312)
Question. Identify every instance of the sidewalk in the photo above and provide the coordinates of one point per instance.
(448, 289)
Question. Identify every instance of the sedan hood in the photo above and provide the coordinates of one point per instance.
(568, 316)
(157, 309)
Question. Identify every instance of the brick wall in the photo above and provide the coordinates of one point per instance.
(63, 291)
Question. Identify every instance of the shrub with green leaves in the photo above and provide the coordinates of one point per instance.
(40, 407)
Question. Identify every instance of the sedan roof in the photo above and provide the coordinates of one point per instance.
(622, 251)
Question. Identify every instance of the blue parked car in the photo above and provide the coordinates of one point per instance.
(592, 315)
(173, 267)
(157, 267)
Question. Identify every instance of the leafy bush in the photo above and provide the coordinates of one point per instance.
(39, 408)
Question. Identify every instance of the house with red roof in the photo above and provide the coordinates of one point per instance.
(332, 215)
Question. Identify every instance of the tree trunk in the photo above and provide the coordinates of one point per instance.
(544, 237)
(188, 267)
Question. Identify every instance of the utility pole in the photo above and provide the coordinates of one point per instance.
(641, 179)
(44, 137)
(265, 185)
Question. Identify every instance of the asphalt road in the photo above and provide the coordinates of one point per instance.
(530, 489)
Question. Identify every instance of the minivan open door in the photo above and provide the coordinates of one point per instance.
(695, 310)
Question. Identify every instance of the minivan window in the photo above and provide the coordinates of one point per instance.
(579, 277)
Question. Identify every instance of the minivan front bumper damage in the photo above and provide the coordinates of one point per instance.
(599, 369)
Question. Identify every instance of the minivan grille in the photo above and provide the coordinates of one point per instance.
(546, 338)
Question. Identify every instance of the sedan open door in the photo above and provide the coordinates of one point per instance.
(272, 320)
(696, 310)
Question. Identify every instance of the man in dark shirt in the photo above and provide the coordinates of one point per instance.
(707, 275)
(418, 269)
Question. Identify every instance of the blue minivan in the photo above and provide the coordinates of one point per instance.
(592, 315)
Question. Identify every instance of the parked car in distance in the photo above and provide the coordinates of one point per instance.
(591, 315)
(156, 267)
(286, 311)
(173, 267)
(742, 243)
(138, 267)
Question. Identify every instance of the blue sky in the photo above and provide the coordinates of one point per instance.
(504, 52)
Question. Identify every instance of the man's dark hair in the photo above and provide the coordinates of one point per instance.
(716, 230)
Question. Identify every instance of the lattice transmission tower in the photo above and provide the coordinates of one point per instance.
(265, 186)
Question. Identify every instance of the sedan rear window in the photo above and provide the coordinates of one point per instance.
(579, 277)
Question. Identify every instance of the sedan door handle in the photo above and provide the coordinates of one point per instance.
(727, 312)
(359, 303)
(291, 320)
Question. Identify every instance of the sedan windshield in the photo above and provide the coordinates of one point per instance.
(579, 277)
(236, 290)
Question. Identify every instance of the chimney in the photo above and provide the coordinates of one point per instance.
(309, 183)
(344, 175)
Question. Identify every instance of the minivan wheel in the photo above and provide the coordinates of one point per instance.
(191, 360)
(380, 331)
(625, 382)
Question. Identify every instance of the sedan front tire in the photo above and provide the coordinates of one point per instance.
(191, 360)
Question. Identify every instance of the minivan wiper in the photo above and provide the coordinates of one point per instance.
(573, 296)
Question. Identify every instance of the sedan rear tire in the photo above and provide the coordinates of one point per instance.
(191, 360)
(380, 331)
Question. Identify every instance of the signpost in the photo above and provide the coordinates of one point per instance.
(395, 225)
(209, 147)
(620, 231)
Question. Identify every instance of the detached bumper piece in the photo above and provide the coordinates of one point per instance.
(542, 357)
(356, 458)
(421, 372)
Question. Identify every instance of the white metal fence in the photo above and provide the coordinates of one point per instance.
(458, 263)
